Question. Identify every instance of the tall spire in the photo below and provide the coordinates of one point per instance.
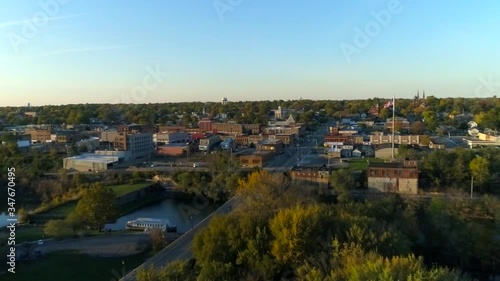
(423, 95)
(418, 94)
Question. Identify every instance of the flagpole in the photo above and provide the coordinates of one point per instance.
(393, 123)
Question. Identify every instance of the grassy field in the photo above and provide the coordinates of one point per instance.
(59, 212)
(127, 188)
(362, 164)
(70, 265)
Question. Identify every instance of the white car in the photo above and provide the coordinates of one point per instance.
(40, 242)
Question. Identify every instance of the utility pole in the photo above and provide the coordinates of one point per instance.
(471, 186)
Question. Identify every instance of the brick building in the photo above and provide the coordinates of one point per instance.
(39, 136)
(309, 173)
(256, 160)
(400, 177)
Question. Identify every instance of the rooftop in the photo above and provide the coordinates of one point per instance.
(91, 157)
(310, 168)
(391, 165)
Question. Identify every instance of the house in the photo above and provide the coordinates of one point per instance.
(356, 153)
(400, 177)
(474, 132)
(472, 124)
(437, 143)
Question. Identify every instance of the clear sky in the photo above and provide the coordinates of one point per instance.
(95, 51)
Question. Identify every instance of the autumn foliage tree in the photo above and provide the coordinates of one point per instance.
(97, 206)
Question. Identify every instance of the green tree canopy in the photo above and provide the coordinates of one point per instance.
(97, 206)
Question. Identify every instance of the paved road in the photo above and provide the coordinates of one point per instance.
(180, 248)
(104, 246)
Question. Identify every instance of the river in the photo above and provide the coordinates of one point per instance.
(4, 219)
(182, 213)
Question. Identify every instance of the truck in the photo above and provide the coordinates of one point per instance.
(207, 143)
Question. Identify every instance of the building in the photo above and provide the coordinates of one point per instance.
(282, 113)
(228, 144)
(208, 143)
(66, 136)
(235, 129)
(311, 174)
(173, 149)
(400, 123)
(437, 143)
(139, 144)
(483, 140)
(171, 129)
(205, 125)
(288, 139)
(400, 177)
(398, 139)
(90, 162)
(39, 136)
(166, 138)
(30, 114)
(130, 128)
(89, 144)
(274, 145)
(256, 160)
(297, 130)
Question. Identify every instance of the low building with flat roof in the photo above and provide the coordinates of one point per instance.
(90, 162)
(256, 160)
(274, 145)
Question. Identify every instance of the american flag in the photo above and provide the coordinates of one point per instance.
(388, 104)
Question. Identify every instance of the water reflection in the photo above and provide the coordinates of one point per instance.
(183, 213)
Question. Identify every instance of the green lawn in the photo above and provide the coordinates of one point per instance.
(362, 163)
(70, 265)
(59, 212)
(127, 188)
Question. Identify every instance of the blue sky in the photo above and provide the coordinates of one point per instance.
(89, 51)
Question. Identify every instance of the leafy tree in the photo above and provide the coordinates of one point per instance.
(479, 168)
(293, 230)
(97, 206)
(58, 229)
(157, 239)
(22, 215)
(342, 181)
